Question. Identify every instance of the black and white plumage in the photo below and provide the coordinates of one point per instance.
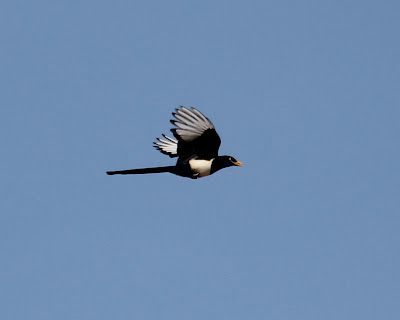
(196, 145)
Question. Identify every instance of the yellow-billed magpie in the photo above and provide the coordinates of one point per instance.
(196, 147)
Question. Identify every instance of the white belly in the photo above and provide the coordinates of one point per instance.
(202, 167)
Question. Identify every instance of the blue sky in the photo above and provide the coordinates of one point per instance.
(305, 94)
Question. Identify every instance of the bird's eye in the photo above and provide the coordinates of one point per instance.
(232, 159)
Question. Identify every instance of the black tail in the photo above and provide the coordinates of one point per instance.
(145, 170)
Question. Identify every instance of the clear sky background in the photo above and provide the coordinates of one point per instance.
(304, 93)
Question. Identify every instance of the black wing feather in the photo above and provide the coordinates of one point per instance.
(195, 134)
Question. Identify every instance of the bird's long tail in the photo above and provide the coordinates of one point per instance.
(144, 170)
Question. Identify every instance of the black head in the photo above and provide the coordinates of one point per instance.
(232, 161)
(224, 162)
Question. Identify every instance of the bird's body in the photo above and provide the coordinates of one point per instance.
(201, 167)
(196, 145)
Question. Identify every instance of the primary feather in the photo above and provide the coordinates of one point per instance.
(167, 146)
(190, 124)
(195, 136)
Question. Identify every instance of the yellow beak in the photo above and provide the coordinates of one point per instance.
(238, 163)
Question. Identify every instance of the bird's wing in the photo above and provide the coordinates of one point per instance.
(167, 146)
(196, 135)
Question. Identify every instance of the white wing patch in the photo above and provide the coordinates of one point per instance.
(168, 146)
(191, 123)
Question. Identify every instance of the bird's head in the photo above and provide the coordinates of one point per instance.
(221, 162)
(229, 161)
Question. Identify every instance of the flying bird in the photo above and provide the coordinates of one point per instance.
(196, 145)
